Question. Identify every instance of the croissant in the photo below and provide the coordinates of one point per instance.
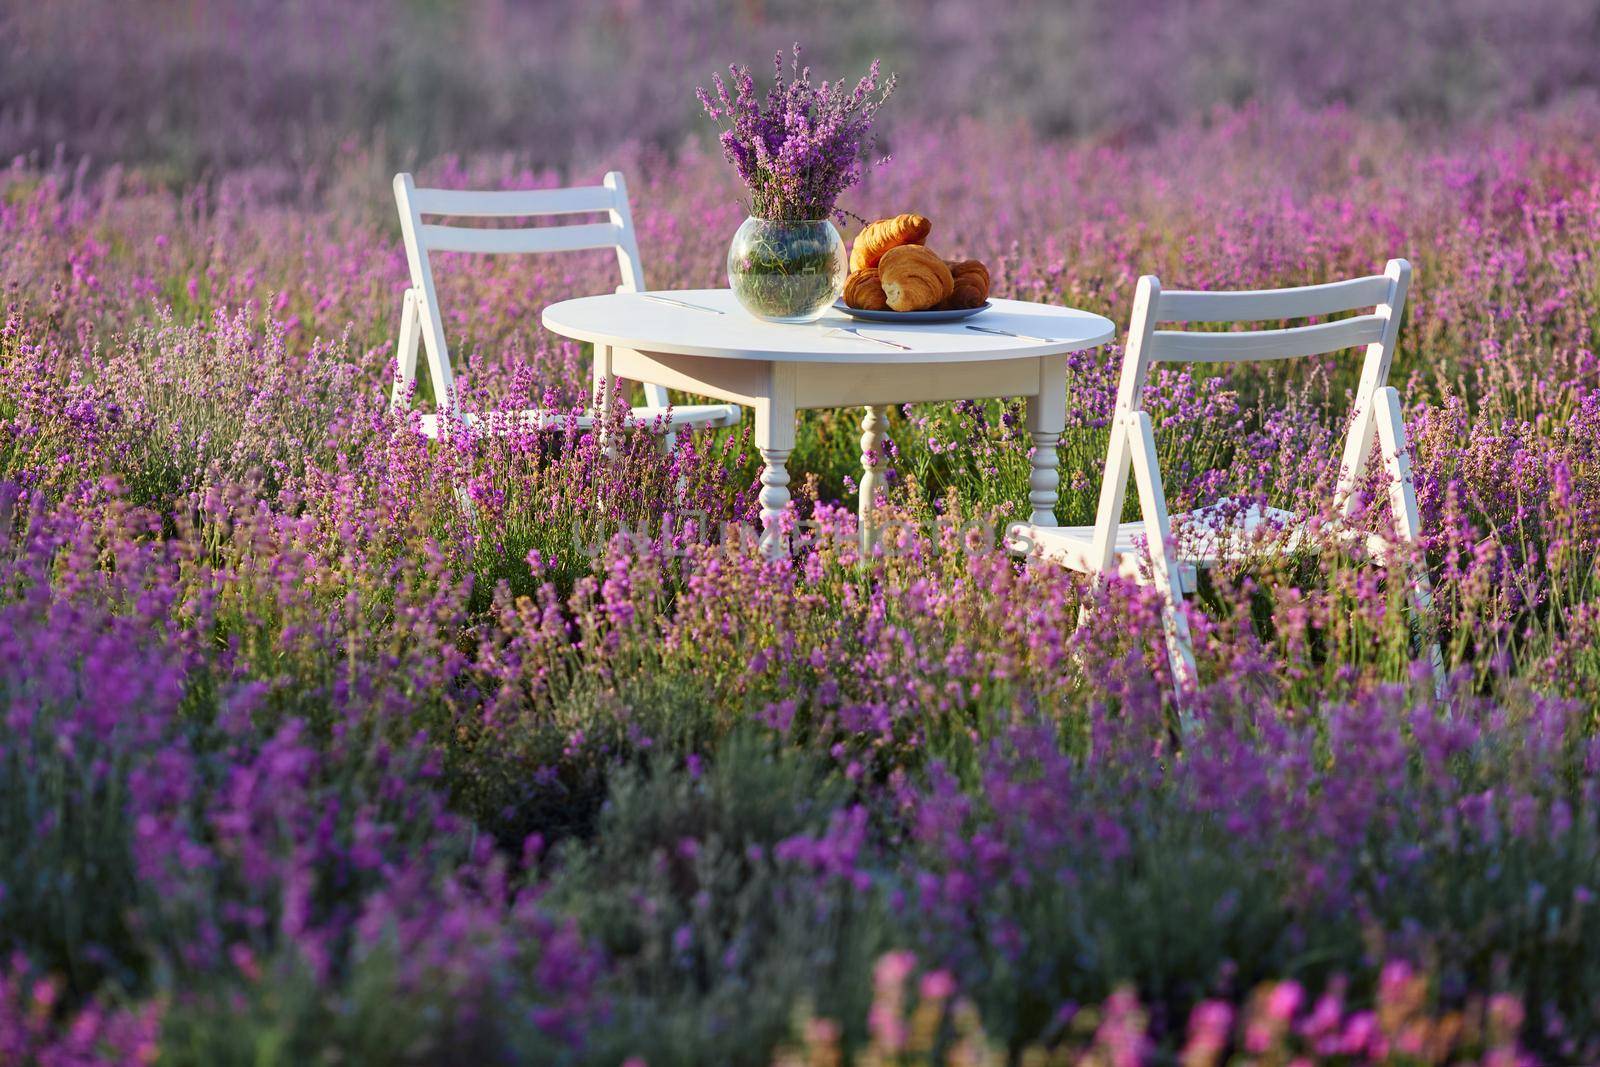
(971, 284)
(963, 266)
(914, 279)
(878, 237)
(864, 289)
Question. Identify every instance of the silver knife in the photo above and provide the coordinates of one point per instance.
(1010, 333)
(679, 303)
(852, 331)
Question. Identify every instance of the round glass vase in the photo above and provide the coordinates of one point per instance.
(787, 271)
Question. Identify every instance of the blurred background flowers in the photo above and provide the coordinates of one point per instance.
(209, 83)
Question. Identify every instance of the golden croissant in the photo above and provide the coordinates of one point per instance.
(864, 289)
(971, 284)
(880, 236)
(965, 266)
(914, 279)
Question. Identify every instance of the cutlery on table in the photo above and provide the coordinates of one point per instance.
(1012, 333)
(680, 303)
(853, 332)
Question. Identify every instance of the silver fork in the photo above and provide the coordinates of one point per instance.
(853, 332)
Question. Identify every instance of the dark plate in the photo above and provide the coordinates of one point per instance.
(953, 315)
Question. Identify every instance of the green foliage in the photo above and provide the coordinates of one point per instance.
(715, 936)
(68, 883)
(285, 1015)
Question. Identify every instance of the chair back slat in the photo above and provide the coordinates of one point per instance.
(1167, 346)
(519, 241)
(1272, 305)
(515, 203)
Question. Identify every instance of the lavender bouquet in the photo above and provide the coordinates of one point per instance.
(805, 145)
(797, 151)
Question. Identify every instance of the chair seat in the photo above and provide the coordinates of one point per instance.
(1230, 529)
(662, 419)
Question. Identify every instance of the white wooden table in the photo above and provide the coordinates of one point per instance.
(719, 350)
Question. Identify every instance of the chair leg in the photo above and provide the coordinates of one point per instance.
(445, 400)
(1408, 519)
(406, 357)
(1108, 513)
(1163, 556)
(604, 384)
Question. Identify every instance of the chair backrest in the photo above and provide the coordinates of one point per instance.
(421, 238)
(1377, 330)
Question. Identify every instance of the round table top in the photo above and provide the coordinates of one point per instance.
(633, 321)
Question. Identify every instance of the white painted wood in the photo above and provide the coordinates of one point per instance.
(1357, 447)
(832, 385)
(1173, 346)
(1407, 516)
(601, 376)
(1374, 373)
(742, 382)
(1046, 419)
(1230, 529)
(428, 297)
(514, 203)
(775, 429)
(406, 356)
(1272, 305)
(775, 408)
(628, 261)
(434, 424)
(523, 241)
(604, 381)
(1130, 386)
(423, 314)
(1044, 478)
(1136, 360)
(774, 499)
(1179, 546)
(629, 321)
(873, 421)
(631, 267)
(1163, 556)
(1233, 529)
(1402, 491)
(866, 383)
(1073, 547)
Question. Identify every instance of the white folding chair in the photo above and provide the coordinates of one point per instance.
(419, 309)
(1229, 529)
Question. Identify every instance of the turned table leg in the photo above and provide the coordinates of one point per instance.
(775, 440)
(872, 426)
(1047, 417)
(774, 499)
(1044, 480)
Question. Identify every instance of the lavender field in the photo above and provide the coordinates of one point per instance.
(322, 742)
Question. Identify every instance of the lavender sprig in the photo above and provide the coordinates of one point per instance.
(802, 146)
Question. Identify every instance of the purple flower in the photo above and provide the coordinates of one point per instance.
(801, 147)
